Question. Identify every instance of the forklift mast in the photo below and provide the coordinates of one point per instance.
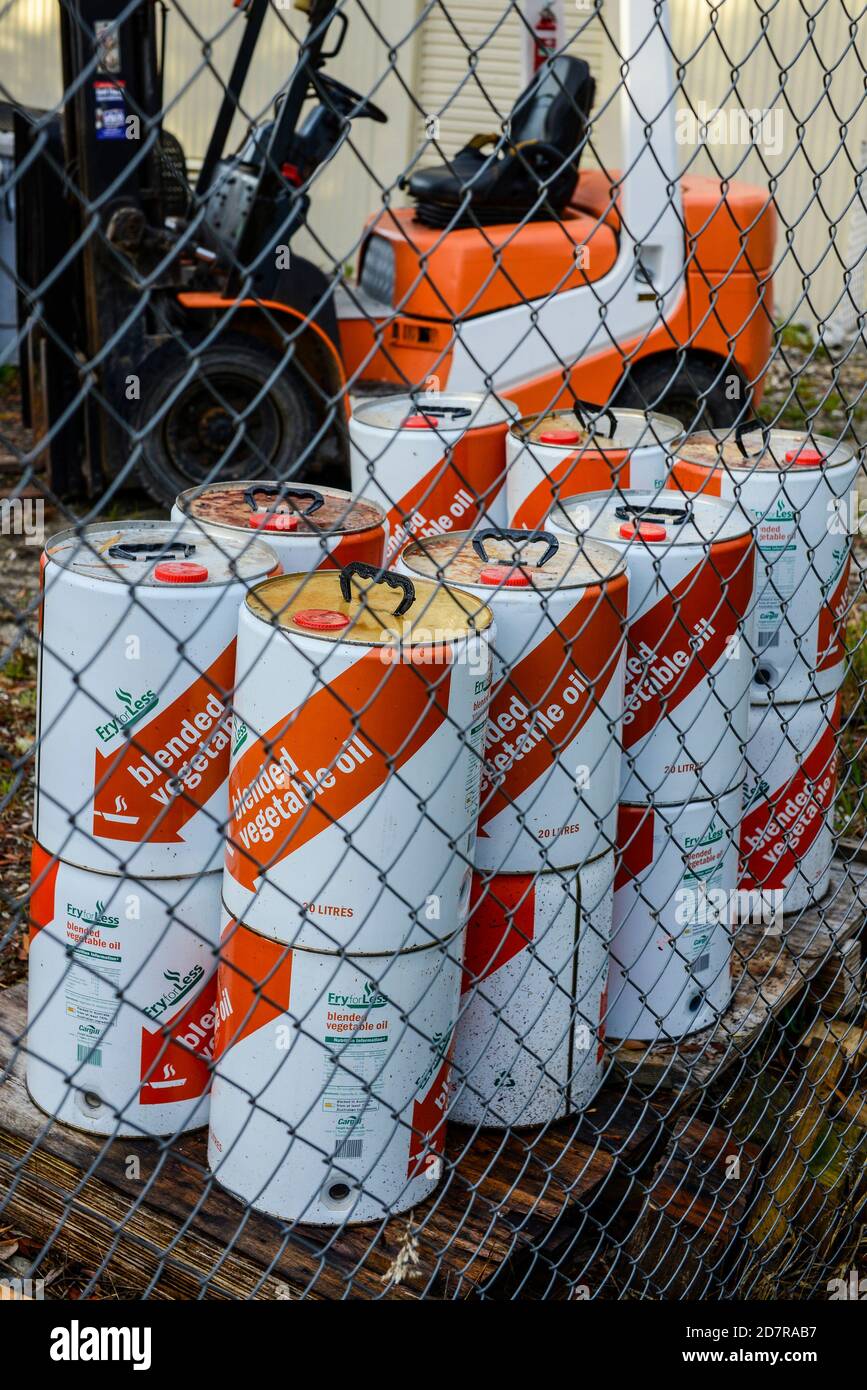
(100, 159)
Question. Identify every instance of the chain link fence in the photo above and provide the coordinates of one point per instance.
(432, 651)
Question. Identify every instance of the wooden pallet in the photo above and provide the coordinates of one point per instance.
(516, 1213)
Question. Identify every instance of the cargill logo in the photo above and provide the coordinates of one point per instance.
(97, 918)
(370, 998)
(240, 737)
(132, 710)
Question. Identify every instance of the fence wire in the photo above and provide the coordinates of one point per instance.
(432, 650)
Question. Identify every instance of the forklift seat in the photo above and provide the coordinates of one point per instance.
(533, 173)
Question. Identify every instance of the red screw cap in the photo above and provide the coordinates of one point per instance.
(504, 574)
(806, 457)
(418, 422)
(180, 572)
(560, 437)
(276, 521)
(320, 619)
(645, 531)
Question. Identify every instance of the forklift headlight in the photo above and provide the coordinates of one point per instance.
(377, 271)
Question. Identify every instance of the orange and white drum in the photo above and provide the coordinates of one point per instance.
(330, 1095)
(798, 493)
(435, 463)
(307, 527)
(354, 790)
(566, 453)
(122, 998)
(529, 1045)
(674, 902)
(786, 838)
(136, 670)
(691, 573)
(552, 756)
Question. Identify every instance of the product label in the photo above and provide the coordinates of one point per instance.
(832, 622)
(577, 474)
(500, 927)
(674, 647)
(175, 1055)
(151, 786)
(779, 567)
(783, 824)
(546, 699)
(447, 497)
(325, 759)
(427, 1141)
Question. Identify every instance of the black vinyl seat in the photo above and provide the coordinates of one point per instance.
(532, 173)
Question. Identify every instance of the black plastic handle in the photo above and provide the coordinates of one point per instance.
(151, 550)
(270, 490)
(748, 427)
(365, 571)
(457, 412)
(629, 510)
(510, 533)
(587, 415)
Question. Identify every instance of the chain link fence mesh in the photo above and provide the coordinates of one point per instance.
(535, 967)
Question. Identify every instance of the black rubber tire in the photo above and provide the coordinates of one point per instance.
(696, 390)
(192, 440)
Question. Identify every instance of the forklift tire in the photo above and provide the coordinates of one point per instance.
(193, 434)
(700, 391)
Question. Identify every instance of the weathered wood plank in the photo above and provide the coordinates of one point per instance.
(174, 1226)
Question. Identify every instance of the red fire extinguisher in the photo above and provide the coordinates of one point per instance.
(544, 36)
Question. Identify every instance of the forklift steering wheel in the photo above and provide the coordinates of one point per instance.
(346, 102)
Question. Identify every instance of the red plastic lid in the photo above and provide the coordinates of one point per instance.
(504, 574)
(808, 457)
(180, 572)
(277, 521)
(418, 422)
(320, 619)
(560, 437)
(645, 530)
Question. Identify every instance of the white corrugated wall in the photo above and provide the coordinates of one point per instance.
(479, 52)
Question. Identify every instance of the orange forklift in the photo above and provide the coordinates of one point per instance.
(513, 269)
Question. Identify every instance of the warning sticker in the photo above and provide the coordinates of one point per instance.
(109, 116)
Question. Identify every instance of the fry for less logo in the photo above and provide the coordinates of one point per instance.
(132, 711)
(370, 999)
(97, 918)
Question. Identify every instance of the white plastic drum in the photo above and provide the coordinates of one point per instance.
(529, 1044)
(674, 901)
(435, 463)
(688, 675)
(306, 527)
(792, 767)
(136, 670)
(798, 492)
(122, 998)
(563, 454)
(552, 772)
(331, 1084)
(354, 790)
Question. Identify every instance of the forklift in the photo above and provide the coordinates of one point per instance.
(165, 335)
